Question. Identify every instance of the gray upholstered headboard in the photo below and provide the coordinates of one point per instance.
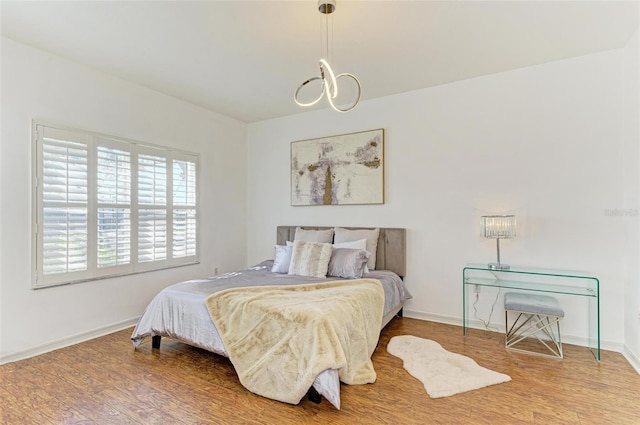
(391, 252)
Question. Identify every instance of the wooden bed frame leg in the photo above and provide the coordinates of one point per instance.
(155, 341)
(314, 395)
(399, 313)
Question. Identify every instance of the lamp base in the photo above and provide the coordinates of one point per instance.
(498, 266)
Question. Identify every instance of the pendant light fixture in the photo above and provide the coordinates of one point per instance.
(328, 78)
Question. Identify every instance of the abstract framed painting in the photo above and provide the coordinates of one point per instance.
(338, 170)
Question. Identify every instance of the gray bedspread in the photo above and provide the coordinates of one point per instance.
(179, 310)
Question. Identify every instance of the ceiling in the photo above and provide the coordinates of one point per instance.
(245, 59)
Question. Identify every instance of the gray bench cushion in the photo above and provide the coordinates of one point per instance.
(532, 303)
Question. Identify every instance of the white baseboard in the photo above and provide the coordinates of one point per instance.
(67, 341)
(447, 320)
(477, 324)
(631, 358)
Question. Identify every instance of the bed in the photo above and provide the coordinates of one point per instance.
(182, 312)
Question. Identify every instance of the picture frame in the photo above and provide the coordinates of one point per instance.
(346, 169)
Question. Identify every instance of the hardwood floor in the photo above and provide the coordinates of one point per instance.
(105, 381)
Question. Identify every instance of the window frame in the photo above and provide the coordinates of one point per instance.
(94, 140)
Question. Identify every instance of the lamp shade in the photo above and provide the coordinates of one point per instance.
(499, 226)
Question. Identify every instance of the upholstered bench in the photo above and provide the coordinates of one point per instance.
(538, 316)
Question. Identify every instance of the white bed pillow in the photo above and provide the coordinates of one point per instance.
(348, 263)
(322, 236)
(310, 258)
(371, 235)
(282, 259)
(359, 244)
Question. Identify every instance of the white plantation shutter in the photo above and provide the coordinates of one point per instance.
(106, 206)
(152, 180)
(184, 183)
(114, 176)
(152, 215)
(184, 212)
(184, 233)
(63, 242)
(114, 237)
(152, 235)
(65, 177)
(113, 188)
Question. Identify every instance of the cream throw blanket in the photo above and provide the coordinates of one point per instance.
(279, 338)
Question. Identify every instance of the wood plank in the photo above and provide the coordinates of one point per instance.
(106, 381)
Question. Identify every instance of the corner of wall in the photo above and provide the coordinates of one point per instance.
(632, 358)
(631, 133)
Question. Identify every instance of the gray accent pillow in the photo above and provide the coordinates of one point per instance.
(359, 244)
(371, 235)
(282, 259)
(310, 258)
(347, 263)
(322, 236)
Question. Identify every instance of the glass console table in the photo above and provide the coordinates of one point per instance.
(578, 284)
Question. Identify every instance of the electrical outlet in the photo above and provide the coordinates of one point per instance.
(215, 270)
(476, 289)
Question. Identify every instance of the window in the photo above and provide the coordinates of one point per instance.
(106, 206)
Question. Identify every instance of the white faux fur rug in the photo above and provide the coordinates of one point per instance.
(443, 373)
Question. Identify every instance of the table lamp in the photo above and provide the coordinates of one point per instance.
(499, 227)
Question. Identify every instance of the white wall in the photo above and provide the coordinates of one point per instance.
(38, 85)
(631, 90)
(553, 144)
(542, 142)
